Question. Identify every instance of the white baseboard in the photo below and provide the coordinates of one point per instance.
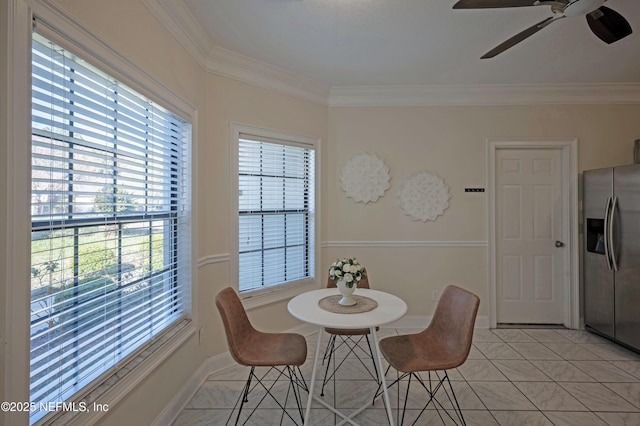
(224, 360)
(173, 409)
(482, 322)
(421, 322)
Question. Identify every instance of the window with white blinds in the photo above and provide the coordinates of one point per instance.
(276, 187)
(110, 213)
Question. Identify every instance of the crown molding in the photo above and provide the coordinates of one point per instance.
(485, 94)
(180, 22)
(233, 65)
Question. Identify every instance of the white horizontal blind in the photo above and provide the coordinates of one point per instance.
(109, 206)
(276, 212)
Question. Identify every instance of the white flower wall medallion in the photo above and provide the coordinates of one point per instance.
(365, 178)
(423, 196)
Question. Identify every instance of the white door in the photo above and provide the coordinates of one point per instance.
(530, 269)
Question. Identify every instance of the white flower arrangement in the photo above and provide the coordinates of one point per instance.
(347, 269)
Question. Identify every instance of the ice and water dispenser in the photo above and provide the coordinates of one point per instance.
(595, 235)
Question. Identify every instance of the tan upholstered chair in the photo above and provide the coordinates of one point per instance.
(443, 345)
(283, 352)
(349, 340)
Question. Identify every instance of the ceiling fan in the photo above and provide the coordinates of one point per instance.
(605, 23)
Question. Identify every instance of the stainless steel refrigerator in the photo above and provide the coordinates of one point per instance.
(611, 202)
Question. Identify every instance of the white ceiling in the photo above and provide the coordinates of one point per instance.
(415, 42)
(406, 52)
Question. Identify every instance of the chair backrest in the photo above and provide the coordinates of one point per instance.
(364, 283)
(237, 326)
(453, 322)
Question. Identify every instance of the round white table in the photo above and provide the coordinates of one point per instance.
(306, 308)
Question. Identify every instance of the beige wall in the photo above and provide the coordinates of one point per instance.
(231, 101)
(451, 142)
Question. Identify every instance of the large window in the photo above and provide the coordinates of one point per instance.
(276, 211)
(110, 218)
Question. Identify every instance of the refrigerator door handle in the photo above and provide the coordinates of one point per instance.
(607, 219)
(612, 247)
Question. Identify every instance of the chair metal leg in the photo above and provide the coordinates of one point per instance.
(453, 400)
(406, 398)
(296, 382)
(372, 360)
(459, 410)
(328, 355)
(431, 390)
(327, 350)
(242, 398)
(352, 345)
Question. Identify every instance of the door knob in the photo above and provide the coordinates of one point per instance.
(559, 244)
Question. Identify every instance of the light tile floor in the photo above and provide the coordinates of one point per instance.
(512, 377)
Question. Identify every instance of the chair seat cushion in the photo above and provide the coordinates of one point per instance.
(412, 353)
(269, 349)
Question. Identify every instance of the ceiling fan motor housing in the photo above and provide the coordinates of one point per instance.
(582, 7)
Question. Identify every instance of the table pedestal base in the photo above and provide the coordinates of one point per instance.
(348, 418)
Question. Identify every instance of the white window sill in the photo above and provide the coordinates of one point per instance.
(257, 298)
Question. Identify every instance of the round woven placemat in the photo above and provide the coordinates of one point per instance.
(363, 304)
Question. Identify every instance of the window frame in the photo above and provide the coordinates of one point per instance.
(111, 387)
(263, 296)
(143, 148)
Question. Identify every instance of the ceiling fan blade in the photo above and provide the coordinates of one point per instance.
(494, 4)
(608, 24)
(520, 36)
(489, 4)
